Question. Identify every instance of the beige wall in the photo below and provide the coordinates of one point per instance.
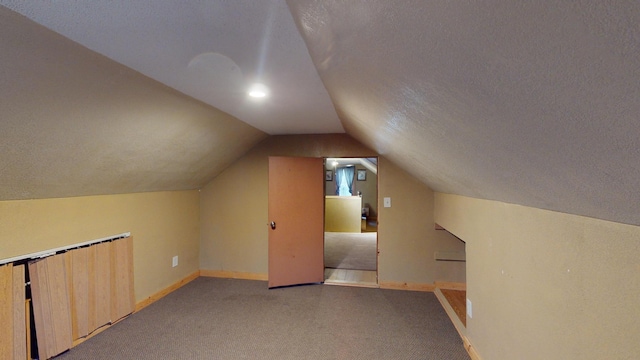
(407, 237)
(546, 285)
(234, 220)
(342, 213)
(163, 224)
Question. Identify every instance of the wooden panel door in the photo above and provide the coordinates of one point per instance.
(19, 314)
(51, 305)
(100, 265)
(13, 330)
(122, 292)
(6, 311)
(296, 217)
(78, 273)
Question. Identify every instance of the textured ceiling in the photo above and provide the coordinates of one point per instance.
(533, 103)
(73, 122)
(210, 50)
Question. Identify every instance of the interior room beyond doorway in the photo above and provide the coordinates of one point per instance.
(351, 197)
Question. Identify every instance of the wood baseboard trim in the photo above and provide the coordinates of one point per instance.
(234, 275)
(162, 293)
(406, 286)
(254, 276)
(470, 349)
(451, 313)
(450, 285)
(462, 330)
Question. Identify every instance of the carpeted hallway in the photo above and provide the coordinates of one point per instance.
(213, 318)
(354, 251)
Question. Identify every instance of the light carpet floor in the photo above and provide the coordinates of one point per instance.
(353, 251)
(241, 319)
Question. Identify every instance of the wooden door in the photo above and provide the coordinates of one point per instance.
(51, 306)
(6, 311)
(13, 338)
(19, 313)
(123, 300)
(296, 217)
(100, 265)
(78, 279)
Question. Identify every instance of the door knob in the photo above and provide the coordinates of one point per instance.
(273, 225)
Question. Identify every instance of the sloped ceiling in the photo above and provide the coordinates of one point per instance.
(73, 122)
(533, 103)
(210, 50)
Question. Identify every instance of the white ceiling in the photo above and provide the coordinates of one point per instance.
(529, 102)
(75, 123)
(210, 50)
(369, 163)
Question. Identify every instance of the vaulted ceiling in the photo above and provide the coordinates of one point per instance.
(534, 103)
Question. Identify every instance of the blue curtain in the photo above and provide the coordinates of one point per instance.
(344, 180)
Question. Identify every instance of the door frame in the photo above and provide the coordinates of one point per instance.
(377, 200)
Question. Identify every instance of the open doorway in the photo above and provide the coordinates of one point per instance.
(351, 221)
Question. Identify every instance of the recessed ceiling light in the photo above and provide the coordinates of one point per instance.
(258, 91)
